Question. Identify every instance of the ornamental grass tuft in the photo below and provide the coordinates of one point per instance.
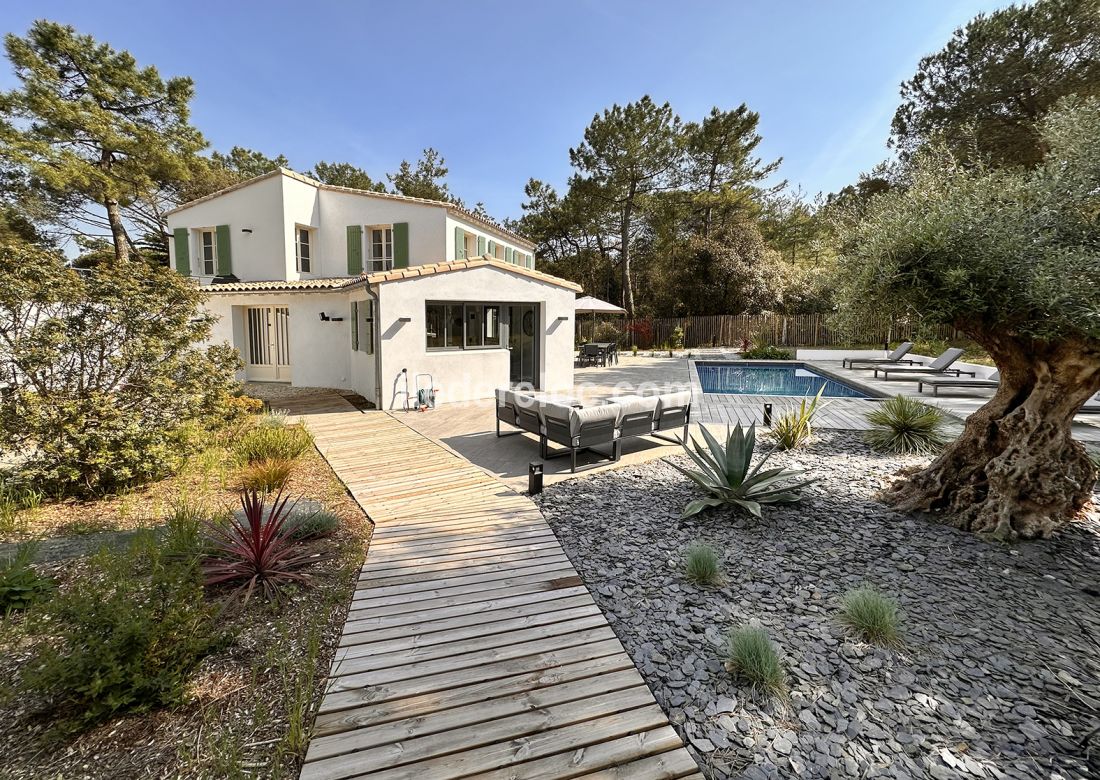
(752, 656)
(267, 476)
(872, 615)
(702, 564)
(273, 442)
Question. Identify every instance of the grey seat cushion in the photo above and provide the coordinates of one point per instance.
(594, 414)
(673, 400)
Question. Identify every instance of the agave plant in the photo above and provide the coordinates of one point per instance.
(259, 549)
(727, 474)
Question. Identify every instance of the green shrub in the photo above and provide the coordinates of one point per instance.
(676, 340)
(273, 443)
(108, 370)
(20, 584)
(751, 655)
(267, 476)
(903, 425)
(126, 635)
(273, 419)
(314, 526)
(726, 473)
(794, 428)
(702, 564)
(768, 353)
(607, 332)
(872, 615)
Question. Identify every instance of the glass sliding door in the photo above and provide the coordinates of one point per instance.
(523, 344)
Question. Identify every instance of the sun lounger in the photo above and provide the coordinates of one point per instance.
(1091, 406)
(936, 382)
(895, 357)
(940, 366)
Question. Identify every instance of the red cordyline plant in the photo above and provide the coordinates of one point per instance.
(257, 550)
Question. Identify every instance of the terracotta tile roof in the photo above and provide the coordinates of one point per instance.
(276, 285)
(428, 269)
(466, 214)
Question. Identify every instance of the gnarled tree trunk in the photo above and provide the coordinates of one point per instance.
(1015, 472)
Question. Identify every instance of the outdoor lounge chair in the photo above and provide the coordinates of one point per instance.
(894, 357)
(673, 412)
(940, 366)
(936, 382)
(576, 430)
(1091, 406)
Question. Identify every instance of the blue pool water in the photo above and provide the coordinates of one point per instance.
(792, 379)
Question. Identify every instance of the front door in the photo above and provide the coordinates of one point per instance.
(523, 344)
(268, 358)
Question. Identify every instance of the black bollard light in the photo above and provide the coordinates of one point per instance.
(768, 415)
(534, 478)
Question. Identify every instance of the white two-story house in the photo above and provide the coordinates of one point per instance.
(325, 286)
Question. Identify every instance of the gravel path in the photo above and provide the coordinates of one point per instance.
(999, 675)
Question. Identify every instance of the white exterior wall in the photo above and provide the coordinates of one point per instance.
(257, 256)
(302, 206)
(319, 351)
(469, 374)
(340, 209)
(470, 226)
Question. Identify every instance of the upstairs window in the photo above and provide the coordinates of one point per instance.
(471, 244)
(379, 248)
(304, 242)
(498, 251)
(208, 252)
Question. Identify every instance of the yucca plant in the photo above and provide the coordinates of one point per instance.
(905, 426)
(727, 474)
(258, 550)
(794, 428)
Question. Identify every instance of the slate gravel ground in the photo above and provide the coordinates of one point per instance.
(999, 675)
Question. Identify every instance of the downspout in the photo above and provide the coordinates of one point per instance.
(372, 293)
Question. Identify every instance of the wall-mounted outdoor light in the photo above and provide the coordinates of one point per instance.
(246, 230)
(404, 319)
(563, 318)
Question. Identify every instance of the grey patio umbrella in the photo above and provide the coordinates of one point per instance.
(589, 305)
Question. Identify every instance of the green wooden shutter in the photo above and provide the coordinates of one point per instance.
(401, 245)
(492, 250)
(355, 250)
(460, 244)
(354, 326)
(481, 245)
(183, 251)
(225, 255)
(509, 255)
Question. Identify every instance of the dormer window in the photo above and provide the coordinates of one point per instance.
(208, 251)
(379, 248)
(303, 239)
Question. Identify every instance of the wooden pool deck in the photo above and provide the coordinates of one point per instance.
(472, 648)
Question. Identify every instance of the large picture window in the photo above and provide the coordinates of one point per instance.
(462, 325)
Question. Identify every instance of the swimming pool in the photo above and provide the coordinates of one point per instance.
(793, 379)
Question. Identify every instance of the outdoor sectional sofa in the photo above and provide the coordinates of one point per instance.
(574, 427)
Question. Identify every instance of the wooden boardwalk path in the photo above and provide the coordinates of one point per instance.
(472, 648)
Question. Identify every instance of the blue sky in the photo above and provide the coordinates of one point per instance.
(503, 89)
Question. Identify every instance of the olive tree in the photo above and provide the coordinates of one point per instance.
(1011, 258)
(103, 374)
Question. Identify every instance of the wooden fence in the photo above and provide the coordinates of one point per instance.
(798, 330)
